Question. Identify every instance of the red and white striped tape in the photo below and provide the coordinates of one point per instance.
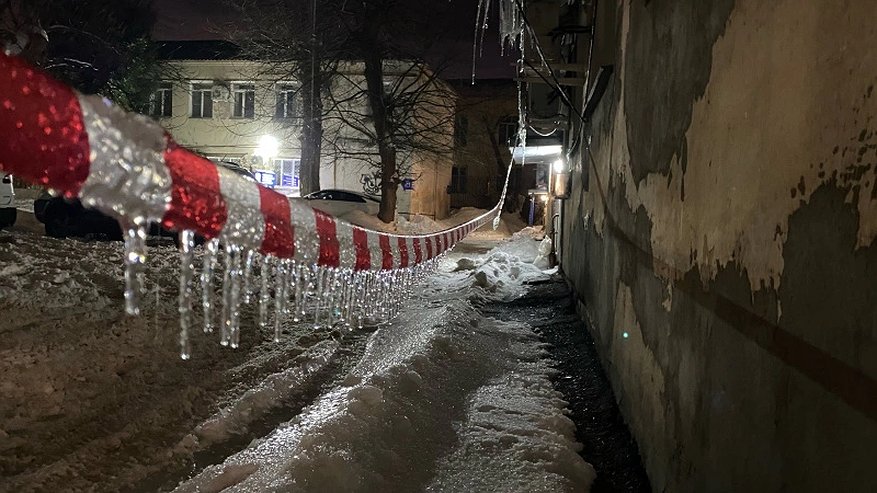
(126, 165)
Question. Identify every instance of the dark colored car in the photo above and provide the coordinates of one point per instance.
(340, 202)
(67, 217)
(64, 218)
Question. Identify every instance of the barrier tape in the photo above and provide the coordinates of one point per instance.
(127, 166)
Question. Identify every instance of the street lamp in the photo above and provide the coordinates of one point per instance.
(268, 148)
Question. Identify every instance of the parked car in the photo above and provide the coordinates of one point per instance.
(8, 212)
(340, 202)
(67, 217)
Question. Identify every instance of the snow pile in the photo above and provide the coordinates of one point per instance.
(93, 399)
(507, 268)
(270, 393)
(417, 225)
(24, 204)
(368, 221)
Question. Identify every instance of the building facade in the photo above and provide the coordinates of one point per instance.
(485, 127)
(231, 108)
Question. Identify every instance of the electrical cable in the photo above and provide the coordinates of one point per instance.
(556, 85)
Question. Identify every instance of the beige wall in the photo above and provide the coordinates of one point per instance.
(722, 242)
(226, 136)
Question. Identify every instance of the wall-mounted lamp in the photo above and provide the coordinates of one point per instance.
(560, 181)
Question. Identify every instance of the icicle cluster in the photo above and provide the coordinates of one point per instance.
(511, 27)
(283, 291)
(511, 22)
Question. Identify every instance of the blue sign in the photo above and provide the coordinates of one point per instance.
(267, 178)
(285, 180)
(407, 184)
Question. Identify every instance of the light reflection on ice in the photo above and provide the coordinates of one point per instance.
(442, 399)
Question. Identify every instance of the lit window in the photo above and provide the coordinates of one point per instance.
(162, 100)
(289, 170)
(202, 101)
(244, 100)
(287, 106)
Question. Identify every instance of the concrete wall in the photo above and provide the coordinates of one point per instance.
(721, 242)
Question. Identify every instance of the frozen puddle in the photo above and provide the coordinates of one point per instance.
(444, 399)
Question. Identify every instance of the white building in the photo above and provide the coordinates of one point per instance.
(229, 108)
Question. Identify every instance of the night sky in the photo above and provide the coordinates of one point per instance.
(182, 20)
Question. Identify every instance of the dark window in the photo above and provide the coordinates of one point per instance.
(202, 101)
(244, 101)
(349, 197)
(321, 195)
(461, 131)
(287, 105)
(458, 180)
(508, 131)
(162, 100)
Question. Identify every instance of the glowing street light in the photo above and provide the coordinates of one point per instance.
(268, 148)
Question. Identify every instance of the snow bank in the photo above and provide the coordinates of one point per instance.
(506, 269)
(368, 221)
(272, 392)
(93, 399)
(418, 225)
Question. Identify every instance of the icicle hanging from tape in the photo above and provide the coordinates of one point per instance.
(295, 262)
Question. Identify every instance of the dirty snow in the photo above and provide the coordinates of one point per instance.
(95, 400)
(442, 399)
(24, 204)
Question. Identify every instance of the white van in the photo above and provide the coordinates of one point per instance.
(7, 201)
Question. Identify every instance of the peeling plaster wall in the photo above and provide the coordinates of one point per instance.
(724, 247)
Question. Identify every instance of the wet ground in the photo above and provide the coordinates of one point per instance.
(607, 443)
(93, 400)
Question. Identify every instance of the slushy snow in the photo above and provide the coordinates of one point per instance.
(443, 399)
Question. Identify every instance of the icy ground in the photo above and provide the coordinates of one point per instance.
(444, 399)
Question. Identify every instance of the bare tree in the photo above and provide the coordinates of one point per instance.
(97, 47)
(365, 97)
(295, 40)
(409, 109)
(403, 115)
